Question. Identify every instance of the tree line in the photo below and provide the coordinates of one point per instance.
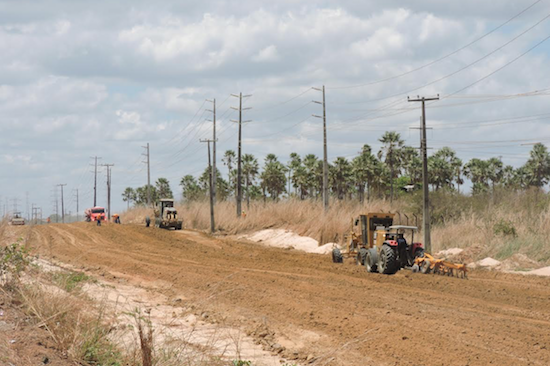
(382, 174)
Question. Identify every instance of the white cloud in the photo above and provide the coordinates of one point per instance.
(79, 79)
(268, 54)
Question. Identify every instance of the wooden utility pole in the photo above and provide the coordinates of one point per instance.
(95, 179)
(108, 166)
(214, 172)
(325, 153)
(148, 162)
(211, 184)
(424, 148)
(77, 209)
(239, 160)
(62, 203)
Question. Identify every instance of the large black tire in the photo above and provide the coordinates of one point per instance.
(361, 255)
(371, 260)
(337, 256)
(387, 263)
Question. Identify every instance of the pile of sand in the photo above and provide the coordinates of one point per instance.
(485, 263)
(281, 238)
(449, 252)
(545, 271)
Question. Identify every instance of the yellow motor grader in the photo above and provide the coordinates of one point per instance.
(386, 248)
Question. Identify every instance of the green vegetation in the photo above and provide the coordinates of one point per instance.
(14, 259)
(69, 281)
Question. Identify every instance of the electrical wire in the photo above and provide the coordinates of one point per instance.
(441, 58)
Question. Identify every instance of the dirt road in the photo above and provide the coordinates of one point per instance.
(339, 314)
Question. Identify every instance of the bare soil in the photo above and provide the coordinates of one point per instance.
(317, 311)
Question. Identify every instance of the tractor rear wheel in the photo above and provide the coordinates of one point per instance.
(371, 260)
(361, 255)
(387, 263)
(337, 256)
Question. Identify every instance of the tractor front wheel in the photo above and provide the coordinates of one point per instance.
(337, 256)
(371, 260)
(361, 255)
(387, 263)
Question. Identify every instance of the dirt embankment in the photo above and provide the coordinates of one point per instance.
(336, 314)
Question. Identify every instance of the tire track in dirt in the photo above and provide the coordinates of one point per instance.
(490, 318)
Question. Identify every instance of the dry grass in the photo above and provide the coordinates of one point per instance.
(458, 221)
(304, 217)
(79, 329)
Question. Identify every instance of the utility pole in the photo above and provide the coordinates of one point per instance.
(62, 203)
(239, 162)
(95, 179)
(211, 184)
(108, 166)
(325, 153)
(56, 205)
(27, 204)
(77, 209)
(148, 162)
(424, 147)
(214, 172)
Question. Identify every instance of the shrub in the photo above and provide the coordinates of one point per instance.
(504, 228)
(14, 259)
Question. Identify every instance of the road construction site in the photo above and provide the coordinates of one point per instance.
(305, 309)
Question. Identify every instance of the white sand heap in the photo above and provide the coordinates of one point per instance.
(449, 252)
(545, 271)
(485, 263)
(281, 238)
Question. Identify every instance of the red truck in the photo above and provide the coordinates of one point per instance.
(95, 213)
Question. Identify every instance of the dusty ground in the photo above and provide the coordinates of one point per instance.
(338, 314)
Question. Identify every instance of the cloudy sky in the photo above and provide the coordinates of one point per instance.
(81, 79)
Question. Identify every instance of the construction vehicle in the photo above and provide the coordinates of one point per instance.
(167, 216)
(17, 219)
(94, 214)
(383, 247)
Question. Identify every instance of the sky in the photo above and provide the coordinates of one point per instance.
(80, 79)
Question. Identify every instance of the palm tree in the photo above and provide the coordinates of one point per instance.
(390, 150)
(314, 180)
(163, 188)
(250, 170)
(294, 163)
(190, 188)
(228, 160)
(411, 164)
(273, 177)
(538, 166)
(363, 171)
(478, 172)
(128, 196)
(494, 172)
(341, 174)
(444, 168)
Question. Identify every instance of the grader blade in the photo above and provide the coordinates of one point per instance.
(429, 264)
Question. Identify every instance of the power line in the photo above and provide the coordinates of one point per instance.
(441, 58)
(460, 69)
